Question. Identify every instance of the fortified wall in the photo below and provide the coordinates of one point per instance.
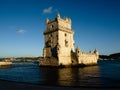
(59, 45)
(87, 58)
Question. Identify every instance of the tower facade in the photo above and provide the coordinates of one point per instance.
(58, 40)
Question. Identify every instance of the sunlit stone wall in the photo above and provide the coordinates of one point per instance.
(87, 58)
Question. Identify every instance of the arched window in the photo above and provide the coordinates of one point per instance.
(52, 26)
(65, 34)
(66, 43)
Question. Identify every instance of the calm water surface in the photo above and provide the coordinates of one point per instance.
(105, 74)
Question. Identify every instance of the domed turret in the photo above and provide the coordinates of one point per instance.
(58, 15)
(69, 20)
(77, 50)
(47, 20)
(96, 52)
(90, 51)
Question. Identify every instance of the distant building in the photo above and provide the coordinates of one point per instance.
(59, 45)
(9, 59)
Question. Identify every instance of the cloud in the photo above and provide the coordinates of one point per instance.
(48, 10)
(21, 31)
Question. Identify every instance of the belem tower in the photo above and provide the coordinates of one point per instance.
(59, 45)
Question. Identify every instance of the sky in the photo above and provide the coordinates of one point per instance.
(96, 24)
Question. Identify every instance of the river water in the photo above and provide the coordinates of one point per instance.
(105, 74)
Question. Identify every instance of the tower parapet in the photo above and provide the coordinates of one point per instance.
(58, 23)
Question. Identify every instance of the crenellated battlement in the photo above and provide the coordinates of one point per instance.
(58, 23)
(87, 57)
(58, 17)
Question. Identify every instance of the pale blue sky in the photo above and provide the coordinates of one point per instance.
(96, 24)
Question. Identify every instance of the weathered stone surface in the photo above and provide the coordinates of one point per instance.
(48, 62)
(59, 45)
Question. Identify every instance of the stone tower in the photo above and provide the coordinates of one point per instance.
(58, 40)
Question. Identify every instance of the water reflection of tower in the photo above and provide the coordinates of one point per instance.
(86, 76)
(50, 76)
(67, 76)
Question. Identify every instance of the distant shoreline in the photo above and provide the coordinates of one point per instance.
(114, 56)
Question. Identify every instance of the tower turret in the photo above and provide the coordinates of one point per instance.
(78, 51)
(58, 16)
(96, 52)
(47, 20)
